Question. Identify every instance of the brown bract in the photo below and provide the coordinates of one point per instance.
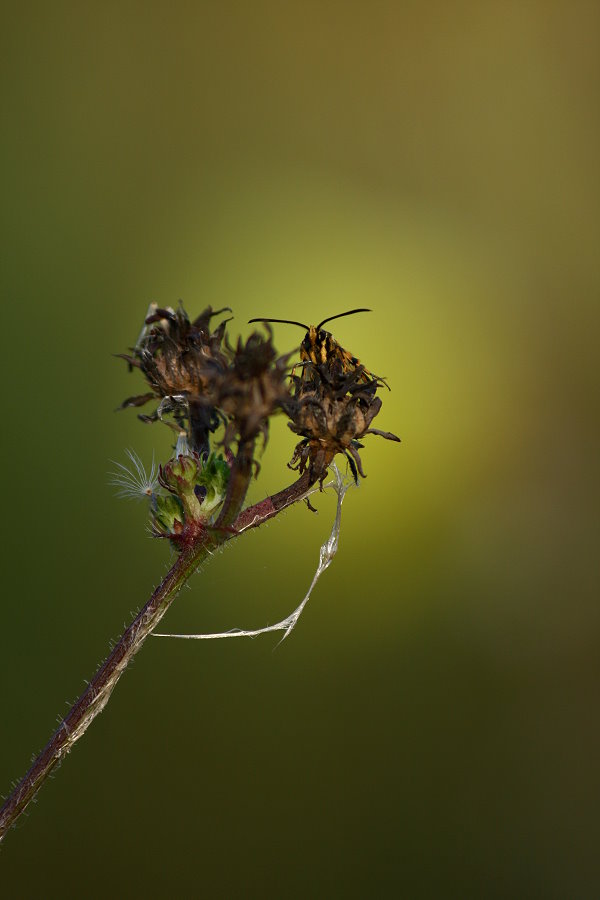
(332, 409)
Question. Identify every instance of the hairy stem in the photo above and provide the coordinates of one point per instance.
(95, 697)
(239, 482)
(255, 515)
(93, 700)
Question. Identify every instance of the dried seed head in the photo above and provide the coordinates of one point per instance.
(182, 361)
(200, 381)
(332, 409)
(255, 385)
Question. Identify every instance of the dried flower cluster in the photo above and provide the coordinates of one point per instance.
(200, 381)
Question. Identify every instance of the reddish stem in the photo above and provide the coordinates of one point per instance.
(93, 700)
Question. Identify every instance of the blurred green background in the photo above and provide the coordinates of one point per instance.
(431, 727)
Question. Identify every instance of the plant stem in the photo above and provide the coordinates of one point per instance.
(93, 700)
(95, 697)
(255, 515)
(239, 482)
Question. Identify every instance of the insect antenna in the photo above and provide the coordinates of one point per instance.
(282, 321)
(340, 315)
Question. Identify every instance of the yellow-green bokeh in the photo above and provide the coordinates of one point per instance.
(430, 729)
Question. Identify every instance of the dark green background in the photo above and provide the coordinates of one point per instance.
(431, 727)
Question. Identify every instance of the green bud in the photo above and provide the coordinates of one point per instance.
(180, 473)
(179, 476)
(167, 512)
(214, 476)
(198, 485)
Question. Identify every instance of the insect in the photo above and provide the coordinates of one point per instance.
(319, 346)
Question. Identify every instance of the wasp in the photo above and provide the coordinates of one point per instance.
(319, 346)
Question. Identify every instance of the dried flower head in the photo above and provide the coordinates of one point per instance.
(201, 381)
(181, 361)
(255, 385)
(332, 409)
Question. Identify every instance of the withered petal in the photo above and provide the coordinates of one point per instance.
(354, 452)
(384, 434)
(138, 400)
